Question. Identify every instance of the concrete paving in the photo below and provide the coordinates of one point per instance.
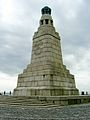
(74, 112)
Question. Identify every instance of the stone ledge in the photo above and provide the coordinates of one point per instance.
(65, 100)
(44, 101)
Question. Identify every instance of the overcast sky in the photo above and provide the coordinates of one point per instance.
(19, 19)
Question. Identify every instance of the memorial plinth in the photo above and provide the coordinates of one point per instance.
(46, 75)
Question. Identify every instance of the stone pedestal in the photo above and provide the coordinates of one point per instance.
(46, 75)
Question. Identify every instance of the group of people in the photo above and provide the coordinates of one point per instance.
(6, 93)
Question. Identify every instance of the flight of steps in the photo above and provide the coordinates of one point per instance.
(22, 100)
(43, 101)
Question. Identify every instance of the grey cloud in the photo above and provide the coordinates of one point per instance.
(16, 38)
(75, 33)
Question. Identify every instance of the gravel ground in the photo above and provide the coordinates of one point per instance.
(75, 112)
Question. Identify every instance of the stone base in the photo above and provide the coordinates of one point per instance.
(44, 92)
(44, 101)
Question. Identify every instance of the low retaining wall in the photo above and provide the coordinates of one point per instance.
(66, 100)
(40, 100)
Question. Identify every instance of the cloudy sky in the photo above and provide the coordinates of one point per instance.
(19, 19)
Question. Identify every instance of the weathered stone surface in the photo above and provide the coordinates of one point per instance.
(46, 75)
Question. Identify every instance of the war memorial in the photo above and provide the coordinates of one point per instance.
(46, 80)
(46, 84)
(46, 75)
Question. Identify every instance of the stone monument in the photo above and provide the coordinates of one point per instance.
(46, 75)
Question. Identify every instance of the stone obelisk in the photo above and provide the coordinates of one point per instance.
(46, 75)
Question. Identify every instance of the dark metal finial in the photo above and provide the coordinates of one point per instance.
(46, 10)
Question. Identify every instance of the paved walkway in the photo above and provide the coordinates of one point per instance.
(75, 112)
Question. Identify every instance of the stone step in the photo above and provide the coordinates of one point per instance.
(33, 103)
(39, 100)
(20, 100)
(15, 98)
(23, 104)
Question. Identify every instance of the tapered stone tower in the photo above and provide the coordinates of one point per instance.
(46, 75)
